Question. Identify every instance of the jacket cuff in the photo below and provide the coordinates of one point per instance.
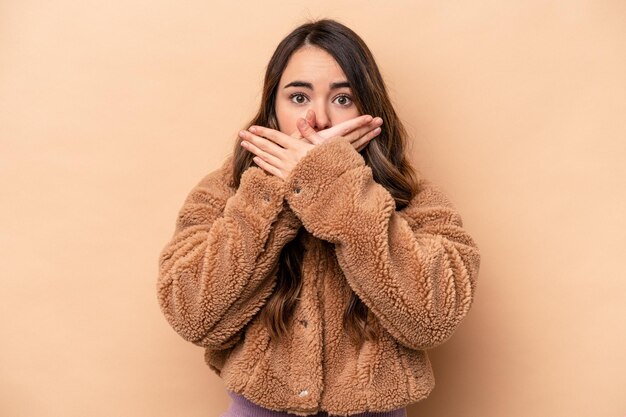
(318, 170)
(262, 193)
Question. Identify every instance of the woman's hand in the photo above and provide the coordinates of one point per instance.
(344, 128)
(277, 152)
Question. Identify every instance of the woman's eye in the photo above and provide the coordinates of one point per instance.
(345, 100)
(296, 96)
(299, 98)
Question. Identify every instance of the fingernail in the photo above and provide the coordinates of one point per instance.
(252, 129)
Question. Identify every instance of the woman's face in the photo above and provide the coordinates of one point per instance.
(313, 80)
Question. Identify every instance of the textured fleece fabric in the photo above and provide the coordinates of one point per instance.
(415, 268)
(240, 406)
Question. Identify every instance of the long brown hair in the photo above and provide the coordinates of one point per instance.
(386, 155)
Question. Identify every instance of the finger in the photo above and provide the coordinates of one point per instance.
(258, 146)
(308, 132)
(373, 124)
(262, 136)
(310, 117)
(362, 142)
(361, 132)
(344, 128)
(268, 167)
(298, 135)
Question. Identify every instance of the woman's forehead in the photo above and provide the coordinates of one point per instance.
(312, 65)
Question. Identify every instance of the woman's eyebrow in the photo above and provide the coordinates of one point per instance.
(308, 85)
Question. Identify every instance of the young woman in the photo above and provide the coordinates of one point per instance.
(314, 266)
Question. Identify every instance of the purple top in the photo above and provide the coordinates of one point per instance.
(242, 407)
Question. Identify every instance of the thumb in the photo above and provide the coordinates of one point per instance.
(306, 130)
(310, 117)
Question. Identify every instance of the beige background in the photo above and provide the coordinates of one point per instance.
(111, 111)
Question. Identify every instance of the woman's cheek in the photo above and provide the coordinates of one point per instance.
(286, 119)
(290, 123)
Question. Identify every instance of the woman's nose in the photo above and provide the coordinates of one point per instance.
(322, 121)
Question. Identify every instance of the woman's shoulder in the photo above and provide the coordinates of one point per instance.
(216, 185)
(222, 175)
(429, 192)
(431, 204)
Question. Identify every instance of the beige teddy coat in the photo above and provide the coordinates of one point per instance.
(415, 269)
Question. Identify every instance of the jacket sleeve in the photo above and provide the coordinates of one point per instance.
(415, 269)
(219, 267)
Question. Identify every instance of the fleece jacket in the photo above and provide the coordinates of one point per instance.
(415, 269)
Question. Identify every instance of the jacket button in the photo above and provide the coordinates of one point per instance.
(303, 322)
(266, 197)
(303, 393)
(296, 189)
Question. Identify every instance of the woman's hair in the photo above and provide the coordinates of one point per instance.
(385, 155)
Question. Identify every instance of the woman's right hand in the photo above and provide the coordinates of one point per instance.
(359, 130)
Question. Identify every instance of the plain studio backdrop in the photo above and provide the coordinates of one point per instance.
(111, 111)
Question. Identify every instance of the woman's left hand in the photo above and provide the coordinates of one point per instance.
(277, 152)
